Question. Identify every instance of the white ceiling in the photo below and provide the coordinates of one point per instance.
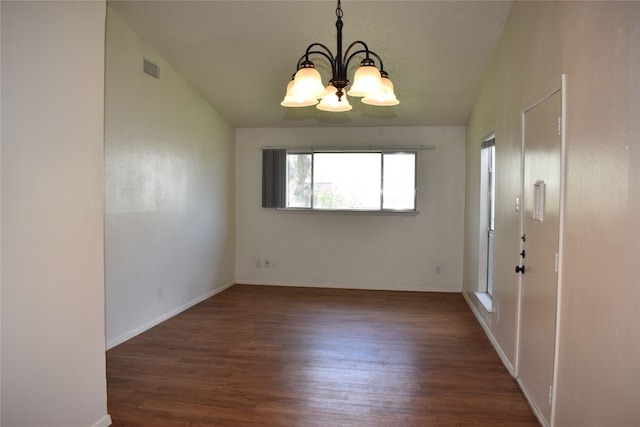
(241, 54)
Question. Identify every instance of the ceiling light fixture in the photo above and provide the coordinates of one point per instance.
(373, 85)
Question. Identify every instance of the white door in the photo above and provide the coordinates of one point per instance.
(540, 245)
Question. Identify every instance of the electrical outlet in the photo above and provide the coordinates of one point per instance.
(258, 264)
(160, 293)
(274, 264)
(437, 269)
(267, 263)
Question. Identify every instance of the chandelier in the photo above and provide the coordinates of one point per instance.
(373, 85)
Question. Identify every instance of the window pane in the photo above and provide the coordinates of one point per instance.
(398, 188)
(299, 180)
(346, 180)
(492, 187)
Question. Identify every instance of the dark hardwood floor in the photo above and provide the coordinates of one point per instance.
(307, 357)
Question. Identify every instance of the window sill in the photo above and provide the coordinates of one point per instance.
(485, 300)
(351, 211)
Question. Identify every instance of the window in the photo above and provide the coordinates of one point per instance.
(353, 180)
(487, 220)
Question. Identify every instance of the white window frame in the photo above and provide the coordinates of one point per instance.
(382, 152)
(487, 208)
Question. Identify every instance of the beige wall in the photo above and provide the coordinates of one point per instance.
(52, 351)
(169, 190)
(596, 45)
(376, 251)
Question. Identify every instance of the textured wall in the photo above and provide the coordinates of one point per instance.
(53, 363)
(169, 190)
(596, 45)
(359, 250)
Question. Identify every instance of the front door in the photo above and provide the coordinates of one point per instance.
(540, 245)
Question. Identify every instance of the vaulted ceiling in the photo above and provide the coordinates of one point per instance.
(241, 54)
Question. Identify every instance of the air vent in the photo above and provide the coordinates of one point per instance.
(150, 68)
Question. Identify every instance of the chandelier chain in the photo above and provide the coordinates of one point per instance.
(339, 12)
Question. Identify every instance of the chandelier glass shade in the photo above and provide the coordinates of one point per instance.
(307, 84)
(385, 98)
(291, 101)
(330, 101)
(366, 82)
(370, 83)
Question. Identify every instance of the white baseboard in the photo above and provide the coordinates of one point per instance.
(343, 286)
(533, 405)
(137, 331)
(503, 356)
(103, 422)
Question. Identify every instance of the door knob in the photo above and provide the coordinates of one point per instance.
(520, 269)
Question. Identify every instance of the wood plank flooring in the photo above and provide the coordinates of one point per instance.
(306, 357)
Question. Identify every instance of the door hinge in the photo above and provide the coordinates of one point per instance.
(559, 125)
(551, 393)
(557, 262)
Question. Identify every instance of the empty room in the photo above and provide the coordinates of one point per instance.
(319, 213)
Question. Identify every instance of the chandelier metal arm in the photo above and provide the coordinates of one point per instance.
(357, 42)
(305, 57)
(327, 52)
(367, 52)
